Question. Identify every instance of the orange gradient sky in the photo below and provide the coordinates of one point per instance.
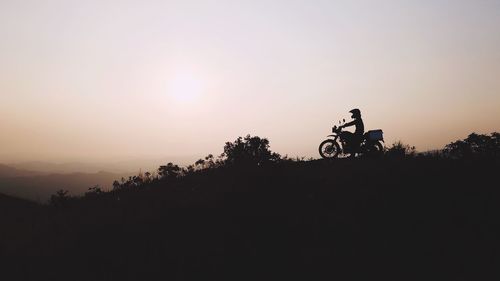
(106, 80)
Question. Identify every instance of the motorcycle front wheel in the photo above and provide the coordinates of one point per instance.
(329, 149)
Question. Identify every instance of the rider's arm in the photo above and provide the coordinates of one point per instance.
(349, 124)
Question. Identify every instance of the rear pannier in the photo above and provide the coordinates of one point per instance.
(375, 135)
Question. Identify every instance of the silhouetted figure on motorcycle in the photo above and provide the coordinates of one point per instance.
(353, 140)
(358, 142)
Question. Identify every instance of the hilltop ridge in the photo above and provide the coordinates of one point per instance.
(251, 214)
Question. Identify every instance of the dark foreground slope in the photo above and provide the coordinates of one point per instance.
(417, 219)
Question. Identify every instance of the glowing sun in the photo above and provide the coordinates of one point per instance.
(185, 87)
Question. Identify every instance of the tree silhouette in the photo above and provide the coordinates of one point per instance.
(475, 146)
(169, 171)
(116, 185)
(147, 177)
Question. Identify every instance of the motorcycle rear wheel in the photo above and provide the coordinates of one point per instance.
(329, 149)
(375, 150)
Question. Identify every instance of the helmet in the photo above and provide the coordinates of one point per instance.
(356, 113)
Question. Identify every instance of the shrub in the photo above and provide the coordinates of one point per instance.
(249, 151)
(400, 150)
(93, 192)
(60, 199)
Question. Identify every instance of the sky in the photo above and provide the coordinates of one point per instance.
(109, 80)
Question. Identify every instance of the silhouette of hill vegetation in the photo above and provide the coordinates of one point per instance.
(250, 214)
(475, 146)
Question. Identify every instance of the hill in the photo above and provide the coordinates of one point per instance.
(407, 219)
(11, 204)
(17, 217)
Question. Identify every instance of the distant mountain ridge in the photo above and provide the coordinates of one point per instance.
(41, 187)
(112, 166)
(8, 171)
(63, 168)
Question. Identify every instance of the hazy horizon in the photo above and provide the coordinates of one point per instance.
(105, 81)
(131, 165)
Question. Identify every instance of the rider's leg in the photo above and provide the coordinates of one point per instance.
(349, 138)
(355, 144)
(351, 143)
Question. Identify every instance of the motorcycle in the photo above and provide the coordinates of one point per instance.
(338, 144)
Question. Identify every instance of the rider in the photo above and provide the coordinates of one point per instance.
(354, 139)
